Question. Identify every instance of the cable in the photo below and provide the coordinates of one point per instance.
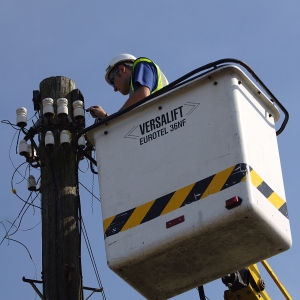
(17, 227)
(174, 85)
(10, 151)
(26, 202)
(89, 191)
(28, 254)
(79, 222)
(14, 126)
(24, 176)
(28, 229)
(86, 168)
(14, 190)
(89, 248)
(93, 181)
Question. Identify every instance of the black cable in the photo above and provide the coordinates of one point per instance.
(24, 176)
(14, 126)
(92, 259)
(90, 192)
(201, 292)
(14, 190)
(175, 84)
(2, 223)
(83, 231)
(18, 138)
(28, 229)
(10, 151)
(27, 252)
(15, 220)
(17, 227)
(92, 168)
(79, 223)
(86, 168)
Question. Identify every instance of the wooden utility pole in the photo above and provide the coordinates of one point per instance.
(61, 261)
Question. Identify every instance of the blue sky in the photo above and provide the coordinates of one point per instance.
(77, 39)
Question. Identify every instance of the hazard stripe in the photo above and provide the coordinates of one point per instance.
(266, 190)
(177, 199)
(137, 215)
(189, 194)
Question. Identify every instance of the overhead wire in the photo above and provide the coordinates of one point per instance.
(28, 229)
(92, 204)
(83, 232)
(86, 168)
(24, 176)
(26, 202)
(17, 227)
(28, 254)
(14, 126)
(89, 191)
(89, 248)
(15, 191)
(79, 220)
(10, 151)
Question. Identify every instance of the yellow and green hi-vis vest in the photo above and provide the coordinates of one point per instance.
(161, 78)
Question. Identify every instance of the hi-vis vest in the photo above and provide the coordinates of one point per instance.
(161, 78)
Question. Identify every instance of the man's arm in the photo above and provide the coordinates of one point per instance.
(97, 112)
(141, 93)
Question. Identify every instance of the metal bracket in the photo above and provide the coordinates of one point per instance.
(33, 281)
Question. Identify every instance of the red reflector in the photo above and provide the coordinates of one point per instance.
(175, 221)
(233, 202)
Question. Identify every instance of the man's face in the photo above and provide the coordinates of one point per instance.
(120, 77)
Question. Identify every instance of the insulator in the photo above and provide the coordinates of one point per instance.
(49, 139)
(31, 183)
(48, 110)
(64, 138)
(78, 110)
(62, 107)
(81, 142)
(21, 113)
(23, 148)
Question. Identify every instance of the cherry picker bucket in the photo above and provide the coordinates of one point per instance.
(191, 184)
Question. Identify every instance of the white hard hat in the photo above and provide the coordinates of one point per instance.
(116, 60)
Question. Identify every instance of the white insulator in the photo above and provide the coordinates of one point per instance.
(81, 142)
(49, 139)
(62, 107)
(29, 149)
(21, 113)
(23, 148)
(78, 111)
(48, 110)
(64, 138)
(31, 183)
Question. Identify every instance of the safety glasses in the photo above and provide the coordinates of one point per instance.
(112, 77)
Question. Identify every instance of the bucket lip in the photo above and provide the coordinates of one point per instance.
(189, 77)
(227, 69)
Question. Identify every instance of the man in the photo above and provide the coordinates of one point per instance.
(128, 75)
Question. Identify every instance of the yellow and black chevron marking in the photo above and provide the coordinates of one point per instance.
(189, 194)
(278, 202)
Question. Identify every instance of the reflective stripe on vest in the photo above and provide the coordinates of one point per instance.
(161, 78)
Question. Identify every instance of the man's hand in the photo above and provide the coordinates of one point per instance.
(97, 112)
